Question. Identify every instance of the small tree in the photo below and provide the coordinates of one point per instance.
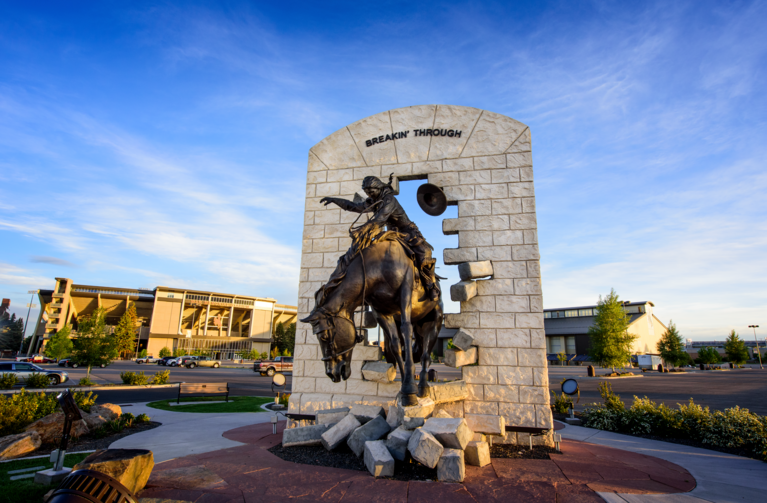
(735, 349)
(709, 355)
(562, 357)
(290, 338)
(275, 352)
(125, 331)
(60, 345)
(11, 336)
(611, 342)
(93, 345)
(671, 346)
(165, 352)
(143, 353)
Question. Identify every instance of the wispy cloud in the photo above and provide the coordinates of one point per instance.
(52, 261)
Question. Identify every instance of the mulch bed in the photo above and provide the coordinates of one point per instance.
(343, 457)
(88, 443)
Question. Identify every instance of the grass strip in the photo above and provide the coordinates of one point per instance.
(197, 404)
(25, 490)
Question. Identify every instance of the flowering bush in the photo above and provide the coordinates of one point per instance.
(733, 428)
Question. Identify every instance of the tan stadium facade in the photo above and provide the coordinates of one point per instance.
(176, 318)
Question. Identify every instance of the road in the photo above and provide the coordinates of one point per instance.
(715, 389)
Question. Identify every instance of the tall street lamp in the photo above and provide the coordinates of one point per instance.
(757, 345)
(29, 308)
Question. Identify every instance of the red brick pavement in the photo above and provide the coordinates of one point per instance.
(250, 474)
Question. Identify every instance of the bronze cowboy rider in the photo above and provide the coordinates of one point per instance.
(387, 211)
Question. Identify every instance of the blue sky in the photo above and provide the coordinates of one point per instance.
(146, 144)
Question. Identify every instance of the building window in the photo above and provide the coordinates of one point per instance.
(585, 312)
(547, 315)
(571, 314)
(570, 341)
(170, 295)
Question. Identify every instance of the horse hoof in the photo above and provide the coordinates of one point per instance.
(409, 400)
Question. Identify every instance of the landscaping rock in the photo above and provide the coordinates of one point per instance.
(452, 433)
(379, 372)
(463, 291)
(463, 339)
(392, 418)
(131, 467)
(456, 358)
(378, 461)
(442, 413)
(425, 448)
(13, 446)
(451, 467)
(452, 391)
(108, 411)
(486, 423)
(304, 435)
(331, 416)
(365, 413)
(51, 427)
(477, 453)
(474, 270)
(411, 423)
(339, 432)
(397, 442)
(424, 409)
(368, 432)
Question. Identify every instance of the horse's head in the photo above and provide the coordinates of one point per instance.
(337, 336)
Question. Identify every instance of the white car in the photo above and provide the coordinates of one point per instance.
(146, 359)
(175, 362)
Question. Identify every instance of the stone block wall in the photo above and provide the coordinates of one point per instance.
(483, 162)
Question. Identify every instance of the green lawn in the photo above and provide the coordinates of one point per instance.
(25, 490)
(236, 404)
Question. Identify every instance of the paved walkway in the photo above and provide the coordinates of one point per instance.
(249, 474)
(720, 477)
(186, 433)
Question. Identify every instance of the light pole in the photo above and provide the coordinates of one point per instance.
(29, 308)
(757, 345)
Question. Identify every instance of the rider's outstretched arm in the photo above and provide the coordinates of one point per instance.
(345, 204)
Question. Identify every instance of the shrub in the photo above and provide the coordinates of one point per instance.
(86, 381)
(127, 419)
(20, 409)
(142, 418)
(84, 401)
(8, 381)
(142, 353)
(284, 399)
(161, 377)
(612, 401)
(37, 380)
(134, 378)
(562, 404)
(164, 352)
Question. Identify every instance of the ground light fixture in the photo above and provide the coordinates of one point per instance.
(757, 345)
(570, 387)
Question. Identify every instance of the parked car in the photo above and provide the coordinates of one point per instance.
(69, 362)
(25, 369)
(184, 360)
(147, 359)
(271, 367)
(203, 361)
(165, 359)
(35, 359)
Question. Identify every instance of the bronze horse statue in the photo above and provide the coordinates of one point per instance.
(383, 276)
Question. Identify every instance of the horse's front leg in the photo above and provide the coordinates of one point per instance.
(409, 389)
(392, 342)
(429, 330)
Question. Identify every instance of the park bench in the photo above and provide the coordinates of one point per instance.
(206, 389)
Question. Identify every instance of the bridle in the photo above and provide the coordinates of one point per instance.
(333, 335)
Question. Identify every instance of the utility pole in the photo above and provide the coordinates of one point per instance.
(29, 308)
(757, 345)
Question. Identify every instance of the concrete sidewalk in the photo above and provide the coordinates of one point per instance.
(186, 433)
(720, 477)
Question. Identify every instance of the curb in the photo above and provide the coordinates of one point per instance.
(42, 456)
(88, 388)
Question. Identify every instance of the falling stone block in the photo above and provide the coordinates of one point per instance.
(441, 413)
(486, 423)
(463, 291)
(425, 448)
(392, 417)
(372, 430)
(478, 437)
(306, 435)
(451, 467)
(365, 413)
(445, 392)
(397, 442)
(474, 270)
(378, 460)
(456, 358)
(411, 423)
(477, 453)
(463, 339)
(331, 416)
(379, 372)
(424, 408)
(452, 433)
(338, 434)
